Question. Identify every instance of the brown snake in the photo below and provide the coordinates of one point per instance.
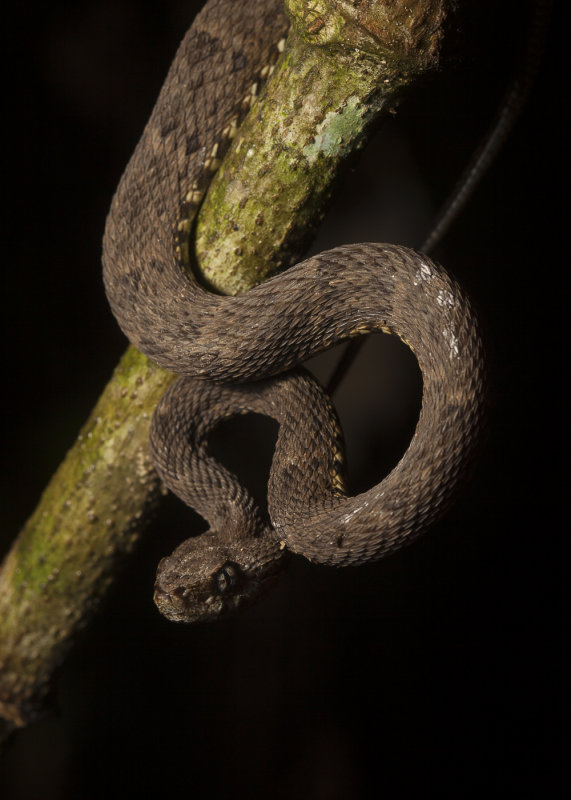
(224, 341)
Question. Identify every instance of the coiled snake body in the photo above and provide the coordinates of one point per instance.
(221, 342)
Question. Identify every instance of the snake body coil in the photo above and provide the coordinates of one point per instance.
(272, 328)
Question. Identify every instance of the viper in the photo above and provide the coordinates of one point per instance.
(240, 354)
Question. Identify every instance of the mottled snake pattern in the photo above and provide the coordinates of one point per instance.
(238, 354)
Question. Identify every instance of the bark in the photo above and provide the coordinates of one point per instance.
(342, 65)
(344, 62)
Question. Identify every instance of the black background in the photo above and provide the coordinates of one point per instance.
(438, 670)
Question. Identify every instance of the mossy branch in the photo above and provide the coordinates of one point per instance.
(343, 62)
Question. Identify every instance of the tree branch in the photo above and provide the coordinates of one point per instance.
(343, 63)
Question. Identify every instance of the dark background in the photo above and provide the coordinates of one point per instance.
(438, 670)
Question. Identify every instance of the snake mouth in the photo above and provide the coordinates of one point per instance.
(202, 603)
(199, 604)
(182, 605)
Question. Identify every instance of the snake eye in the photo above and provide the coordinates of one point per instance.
(227, 577)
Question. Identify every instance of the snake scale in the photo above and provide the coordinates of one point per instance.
(237, 354)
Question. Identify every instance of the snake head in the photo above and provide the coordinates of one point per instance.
(204, 580)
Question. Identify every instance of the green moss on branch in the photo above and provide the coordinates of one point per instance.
(90, 515)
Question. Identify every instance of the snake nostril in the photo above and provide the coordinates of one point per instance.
(160, 592)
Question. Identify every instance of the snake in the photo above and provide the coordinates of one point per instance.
(241, 354)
